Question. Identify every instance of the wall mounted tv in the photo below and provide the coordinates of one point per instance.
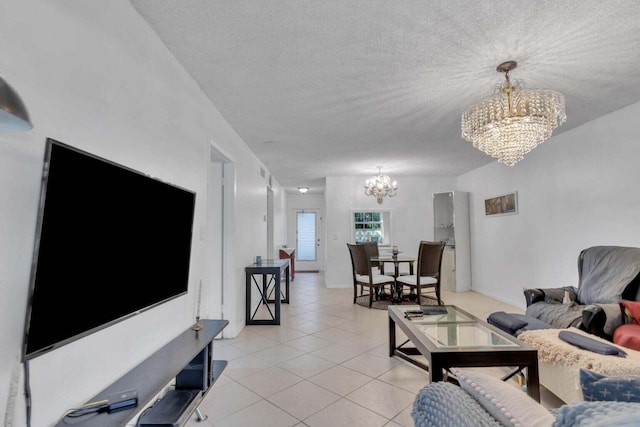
(110, 243)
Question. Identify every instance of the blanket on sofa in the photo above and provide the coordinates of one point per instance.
(607, 271)
(559, 316)
(552, 349)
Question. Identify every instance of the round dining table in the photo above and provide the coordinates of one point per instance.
(396, 295)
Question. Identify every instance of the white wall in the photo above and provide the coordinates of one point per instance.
(576, 190)
(411, 218)
(93, 75)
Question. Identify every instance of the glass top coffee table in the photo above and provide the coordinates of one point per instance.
(448, 336)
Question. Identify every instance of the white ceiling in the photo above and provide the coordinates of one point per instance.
(322, 88)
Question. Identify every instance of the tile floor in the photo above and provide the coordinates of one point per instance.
(326, 364)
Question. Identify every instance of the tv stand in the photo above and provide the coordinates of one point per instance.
(187, 358)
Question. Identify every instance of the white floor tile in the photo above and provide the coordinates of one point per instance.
(225, 399)
(371, 365)
(308, 343)
(337, 353)
(269, 381)
(382, 398)
(306, 365)
(303, 399)
(407, 377)
(263, 414)
(344, 413)
(279, 353)
(340, 380)
(244, 366)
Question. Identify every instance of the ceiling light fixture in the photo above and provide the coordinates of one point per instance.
(514, 120)
(13, 114)
(380, 186)
(303, 189)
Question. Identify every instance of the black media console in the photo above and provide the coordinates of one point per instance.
(188, 359)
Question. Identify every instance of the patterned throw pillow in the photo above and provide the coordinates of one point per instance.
(598, 414)
(598, 387)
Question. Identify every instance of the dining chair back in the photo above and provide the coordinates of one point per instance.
(373, 251)
(362, 275)
(427, 274)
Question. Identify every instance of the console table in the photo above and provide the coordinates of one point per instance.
(290, 254)
(270, 271)
(185, 358)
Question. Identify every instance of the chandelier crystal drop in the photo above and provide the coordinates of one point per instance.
(380, 186)
(513, 120)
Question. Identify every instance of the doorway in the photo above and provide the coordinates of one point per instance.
(270, 238)
(308, 244)
(219, 252)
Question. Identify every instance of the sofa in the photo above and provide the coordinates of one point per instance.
(559, 362)
(481, 400)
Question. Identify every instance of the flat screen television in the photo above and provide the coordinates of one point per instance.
(110, 242)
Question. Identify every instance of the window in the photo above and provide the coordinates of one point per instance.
(371, 226)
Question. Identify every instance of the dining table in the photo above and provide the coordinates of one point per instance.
(396, 294)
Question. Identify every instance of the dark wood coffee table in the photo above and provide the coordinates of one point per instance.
(456, 338)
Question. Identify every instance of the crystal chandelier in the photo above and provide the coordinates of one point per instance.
(514, 120)
(380, 186)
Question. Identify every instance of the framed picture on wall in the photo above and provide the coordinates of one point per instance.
(506, 204)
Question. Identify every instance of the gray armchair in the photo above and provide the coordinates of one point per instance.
(606, 275)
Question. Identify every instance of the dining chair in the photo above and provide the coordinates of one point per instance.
(376, 266)
(427, 272)
(372, 251)
(363, 275)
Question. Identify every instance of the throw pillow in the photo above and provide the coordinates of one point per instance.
(598, 414)
(627, 336)
(598, 387)
(630, 311)
(506, 403)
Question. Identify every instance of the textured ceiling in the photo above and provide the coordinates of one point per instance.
(335, 87)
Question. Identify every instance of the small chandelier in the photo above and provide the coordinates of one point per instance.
(380, 186)
(514, 120)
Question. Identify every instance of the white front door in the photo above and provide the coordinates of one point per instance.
(308, 245)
